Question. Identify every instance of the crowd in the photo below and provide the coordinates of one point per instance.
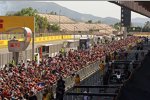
(19, 81)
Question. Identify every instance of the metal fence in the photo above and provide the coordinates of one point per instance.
(18, 36)
(83, 73)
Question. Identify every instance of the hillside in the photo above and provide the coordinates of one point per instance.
(42, 7)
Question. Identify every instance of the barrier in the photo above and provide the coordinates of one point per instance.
(3, 42)
(69, 81)
(42, 39)
(84, 73)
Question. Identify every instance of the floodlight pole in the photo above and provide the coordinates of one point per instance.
(74, 36)
(33, 36)
(59, 19)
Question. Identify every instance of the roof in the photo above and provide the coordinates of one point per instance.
(144, 4)
(94, 28)
(68, 25)
(141, 7)
(57, 18)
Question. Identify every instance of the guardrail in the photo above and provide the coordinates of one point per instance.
(99, 86)
(20, 35)
(83, 73)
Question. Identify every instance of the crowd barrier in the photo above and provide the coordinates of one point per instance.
(83, 73)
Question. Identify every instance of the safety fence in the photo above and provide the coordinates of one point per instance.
(37, 34)
(83, 73)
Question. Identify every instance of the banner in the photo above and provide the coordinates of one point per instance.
(9, 22)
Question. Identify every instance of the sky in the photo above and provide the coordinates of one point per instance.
(97, 8)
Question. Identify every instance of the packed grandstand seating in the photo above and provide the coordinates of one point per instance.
(57, 18)
(101, 28)
(19, 80)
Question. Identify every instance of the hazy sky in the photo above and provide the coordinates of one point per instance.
(97, 8)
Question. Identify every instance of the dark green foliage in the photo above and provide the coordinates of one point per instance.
(146, 27)
(41, 23)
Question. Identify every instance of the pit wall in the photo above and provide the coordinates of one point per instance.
(42, 39)
(4, 43)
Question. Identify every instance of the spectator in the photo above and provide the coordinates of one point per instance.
(50, 95)
(34, 77)
(32, 96)
(77, 80)
(45, 94)
(126, 73)
(107, 58)
(105, 78)
(118, 76)
(115, 55)
(60, 89)
(87, 97)
(136, 56)
(102, 66)
(126, 55)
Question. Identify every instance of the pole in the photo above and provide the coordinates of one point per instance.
(59, 18)
(59, 23)
(33, 36)
(74, 33)
(92, 35)
(74, 37)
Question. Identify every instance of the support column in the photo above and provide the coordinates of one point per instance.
(15, 57)
(125, 20)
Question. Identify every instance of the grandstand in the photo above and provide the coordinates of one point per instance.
(68, 25)
(57, 18)
(97, 29)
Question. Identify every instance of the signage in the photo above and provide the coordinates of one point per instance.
(9, 22)
(15, 45)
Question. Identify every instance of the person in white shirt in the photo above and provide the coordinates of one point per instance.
(87, 97)
(118, 75)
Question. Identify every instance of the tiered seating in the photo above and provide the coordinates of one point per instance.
(19, 80)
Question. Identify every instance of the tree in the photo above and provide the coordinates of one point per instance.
(117, 26)
(89, 21)
(41, 23)
(146, 27)
(134, 29)
(26, 12)
(53, 27)
(98, 21)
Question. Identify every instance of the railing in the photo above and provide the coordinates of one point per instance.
(100, 86)
(83, 73)
(18, 36)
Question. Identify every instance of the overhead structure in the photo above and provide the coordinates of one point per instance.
(137, 86)
(125, 20)
(18, 25)
(17, 46)
(141, 7)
